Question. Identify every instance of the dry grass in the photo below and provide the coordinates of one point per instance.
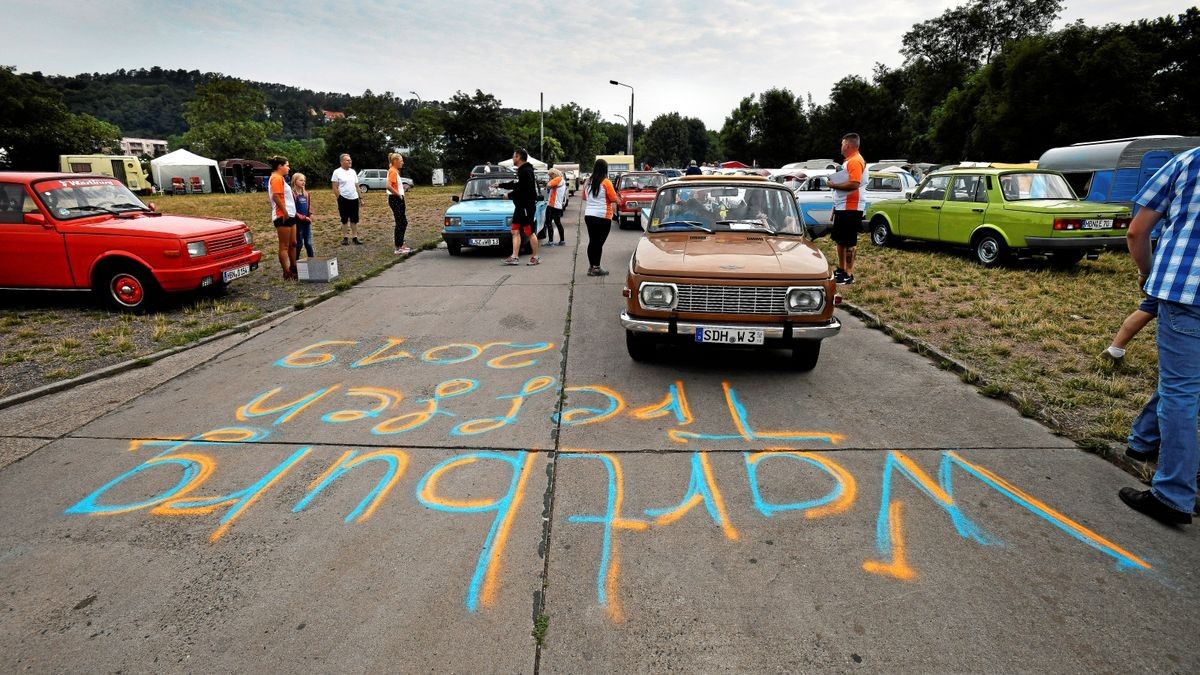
(53, 336)
(1032, 332)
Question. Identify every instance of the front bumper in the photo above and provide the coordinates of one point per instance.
(503, 233)
(190, 278)
(771, 331)
(1076, 243)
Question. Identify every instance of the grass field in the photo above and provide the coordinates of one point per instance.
(1030, 331)
(46, 337)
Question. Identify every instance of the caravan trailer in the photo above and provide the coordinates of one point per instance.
(126, 169)
(1114, 171)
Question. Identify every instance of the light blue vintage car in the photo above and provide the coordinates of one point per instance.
(815, 199)
(482, 216)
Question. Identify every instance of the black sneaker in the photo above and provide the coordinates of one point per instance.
(847, 279)
(839, 275)
(1144, 501)
(345, 241)
(1149, 456)
(357, 242)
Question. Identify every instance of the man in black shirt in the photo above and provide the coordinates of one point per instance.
(524, 199)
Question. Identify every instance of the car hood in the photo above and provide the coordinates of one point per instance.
(481, 209)
(1062, 207)
(731, 255)
(640, 195)
(163, 227)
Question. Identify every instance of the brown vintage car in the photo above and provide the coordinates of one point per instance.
(725, 260)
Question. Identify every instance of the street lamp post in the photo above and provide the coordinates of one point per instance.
(628, 122)
(419, 101)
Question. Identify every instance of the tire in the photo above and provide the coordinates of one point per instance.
(126, 287)
(805, 355)
(640, 347)
(1065, 260)
(637, 222)
(363, 189)
(881, 233)
(454, 247)
(990, 249)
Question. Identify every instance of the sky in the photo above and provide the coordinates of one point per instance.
(698, 58)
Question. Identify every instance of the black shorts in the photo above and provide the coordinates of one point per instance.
(524, 214)
(284, 222)
(347, 210)
(846, 226)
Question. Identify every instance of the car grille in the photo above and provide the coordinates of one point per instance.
(225, 244)
(731, 299)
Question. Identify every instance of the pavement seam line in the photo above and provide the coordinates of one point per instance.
(552, 478)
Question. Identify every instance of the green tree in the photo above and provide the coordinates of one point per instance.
(976, 31)
(36, 126)
(666, 142)
(227, 118)
(422, 135)
(475, 132)
(783, 128)
(741, 131)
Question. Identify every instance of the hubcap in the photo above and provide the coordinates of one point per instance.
(127, 290)
(988, 250)
(880, 234)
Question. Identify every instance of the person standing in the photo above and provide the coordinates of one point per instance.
(395, 188)
(524, 198)
(1166, 428)
(555, 204)
(345, 186)
(848, 202)
(283, 214)
(303, 215)
(597, 214)
(693, 170)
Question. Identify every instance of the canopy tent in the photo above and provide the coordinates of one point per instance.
(185, 165)
(735, 165)
(538, 165)
(244, 174)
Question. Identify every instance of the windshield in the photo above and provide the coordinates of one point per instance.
(487, 188)
(641, 182)
(725, 208)
(77, 198)
(1022, 186)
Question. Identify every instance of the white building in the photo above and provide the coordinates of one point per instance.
(136, 147)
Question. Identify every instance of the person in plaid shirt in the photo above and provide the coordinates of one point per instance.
(1166, 429)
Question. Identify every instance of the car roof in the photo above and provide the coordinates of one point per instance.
(34, 176)
(987, 170)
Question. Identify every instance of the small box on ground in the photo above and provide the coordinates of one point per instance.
(317, 269)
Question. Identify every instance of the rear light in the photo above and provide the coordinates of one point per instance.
(1068, 224)
(1121, 224)
(837, 299)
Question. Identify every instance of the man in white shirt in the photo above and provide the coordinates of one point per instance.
(345, 186)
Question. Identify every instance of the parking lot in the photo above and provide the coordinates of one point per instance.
(455, 466)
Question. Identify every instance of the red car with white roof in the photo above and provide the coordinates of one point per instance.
(71, 232)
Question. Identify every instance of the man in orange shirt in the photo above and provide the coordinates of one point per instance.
(848, 208)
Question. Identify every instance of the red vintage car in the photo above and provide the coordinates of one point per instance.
(635, 191)
(71, 232)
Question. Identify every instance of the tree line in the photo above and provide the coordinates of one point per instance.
(985, 80)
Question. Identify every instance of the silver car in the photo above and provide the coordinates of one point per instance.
(376, 179)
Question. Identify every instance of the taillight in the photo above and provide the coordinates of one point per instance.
(1121, 224)
(1068, 224)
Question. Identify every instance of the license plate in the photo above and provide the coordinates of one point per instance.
(235, 273)
(730, 336)
(483, 242)
(1098, 224)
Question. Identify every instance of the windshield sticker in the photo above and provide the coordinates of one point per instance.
(84, 183)
(743, 226)
(654, 223)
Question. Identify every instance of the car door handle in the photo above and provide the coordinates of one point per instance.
(977, 210)
(936, 208)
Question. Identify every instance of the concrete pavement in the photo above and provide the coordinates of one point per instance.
(404, 477)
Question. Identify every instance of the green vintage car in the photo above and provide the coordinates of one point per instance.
(1001, 212)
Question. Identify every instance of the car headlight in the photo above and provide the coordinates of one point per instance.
(197, 249)
(657, 296)
(805, 300)
(453, 222)
(249, 237)
(508, 221)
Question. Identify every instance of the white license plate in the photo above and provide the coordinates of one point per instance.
(731, 336)
(1098, 224)
(235, 273)
(483, 242)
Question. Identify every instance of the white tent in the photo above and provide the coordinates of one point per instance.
(538, 165)
(185, 164)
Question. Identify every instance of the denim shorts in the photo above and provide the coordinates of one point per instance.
(1149, 305)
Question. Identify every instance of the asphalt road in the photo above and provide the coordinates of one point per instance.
(405, 477)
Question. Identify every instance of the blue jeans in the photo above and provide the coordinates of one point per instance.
(304, 237)
(1168, 422)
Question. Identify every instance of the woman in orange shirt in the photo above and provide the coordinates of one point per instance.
(597, 214)
(395, 188)
(283, 215)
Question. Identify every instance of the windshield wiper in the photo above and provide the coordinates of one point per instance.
(758, 227)
(687, 223)
(129, 205)
(91, 207)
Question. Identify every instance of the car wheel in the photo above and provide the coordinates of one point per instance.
(128, 288)
(990, 249)
(1066, 260)
(363, 189)
(881, 234)
(805, 355)
(454, 247)
(637, 222)
(640, 347)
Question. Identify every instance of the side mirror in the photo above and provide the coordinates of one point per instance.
(34, 219)
(153, 206)
(908, 194)
(454, 198)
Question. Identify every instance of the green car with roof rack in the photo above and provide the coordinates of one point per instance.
(999, 213)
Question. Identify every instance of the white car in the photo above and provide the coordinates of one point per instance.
(376, 179)
(815, 199)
